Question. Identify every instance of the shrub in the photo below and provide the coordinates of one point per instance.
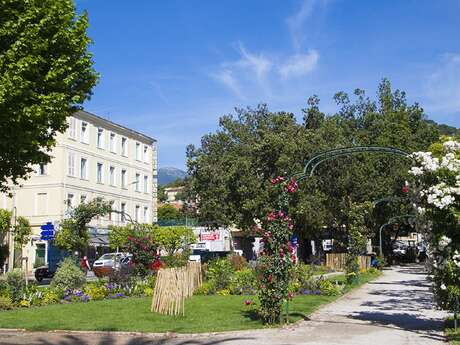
(244, 282)
(220, 272)
(223, 292)
(51, 296)
(141, 287)
(16, 284)
(238, 262)
(176, 259)
(68, 276)
(381, 262)
(144, 251)
(328, 288)
(24, 303)
(95, 291)
(372, 270)
(4, 289)
(6, 303)
(206, 288)
(302, 275)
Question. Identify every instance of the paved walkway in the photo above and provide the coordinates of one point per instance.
(396, 309)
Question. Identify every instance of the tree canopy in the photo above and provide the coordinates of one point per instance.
(229, 172)
(73, 233)
(46, 72)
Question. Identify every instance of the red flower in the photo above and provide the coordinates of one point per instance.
(405, 189)
(270, 278)
(156, 265)
(290, 295)
(248, 302)
(282, 253)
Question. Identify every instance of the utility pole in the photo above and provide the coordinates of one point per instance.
(10, 235)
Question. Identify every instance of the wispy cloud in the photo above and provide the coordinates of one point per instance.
(226, 77)
(260, 72)
(260, 64)
(156, 86)
(299, 64)
(296, 22)
(442, 86)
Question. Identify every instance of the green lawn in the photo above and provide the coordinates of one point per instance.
(202, 314)
(454, 337)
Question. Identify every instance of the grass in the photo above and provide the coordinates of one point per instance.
(317, 269)
(452, 336)
(202, 314)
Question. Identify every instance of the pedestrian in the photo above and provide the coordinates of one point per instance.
(84, 264)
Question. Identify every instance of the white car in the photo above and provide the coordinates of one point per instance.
(108, 260)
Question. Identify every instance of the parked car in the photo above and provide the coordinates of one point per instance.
(108, 262)
(43, 272)
(205, 255)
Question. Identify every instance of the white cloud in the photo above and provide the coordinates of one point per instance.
(442, 86)
(297, 21)
(258, 63)
(299, 64)
(255, 73)
(227, 78)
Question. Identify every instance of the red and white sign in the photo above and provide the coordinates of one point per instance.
(210, 236)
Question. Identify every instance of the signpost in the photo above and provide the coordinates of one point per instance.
(47, 232)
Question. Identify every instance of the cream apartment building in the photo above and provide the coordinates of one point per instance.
(93, 158)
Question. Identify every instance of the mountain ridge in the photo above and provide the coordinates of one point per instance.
(169, 174)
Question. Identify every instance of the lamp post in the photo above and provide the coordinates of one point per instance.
(11, 235)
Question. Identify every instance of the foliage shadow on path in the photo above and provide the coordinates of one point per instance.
(139, 340)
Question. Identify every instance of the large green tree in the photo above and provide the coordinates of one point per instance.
(229, 172)
(73, 233)
(46, 73)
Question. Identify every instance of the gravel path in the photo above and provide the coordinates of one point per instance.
(396, 309)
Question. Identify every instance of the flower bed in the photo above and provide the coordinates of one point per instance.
(33, 296)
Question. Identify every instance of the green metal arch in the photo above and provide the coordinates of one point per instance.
(321, 157)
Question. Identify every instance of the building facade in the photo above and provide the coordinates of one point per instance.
(93, 158)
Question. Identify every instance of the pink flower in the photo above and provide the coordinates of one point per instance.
(271, 217)
(290, 295)
(270, 278)
(281, 253)
(277, 180)
(292, 186)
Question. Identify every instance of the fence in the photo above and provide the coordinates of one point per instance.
(337, 261)
(173, 286)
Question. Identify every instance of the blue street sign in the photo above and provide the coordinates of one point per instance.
(47, 226)
(47, 232)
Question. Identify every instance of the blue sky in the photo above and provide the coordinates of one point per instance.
(171, 68)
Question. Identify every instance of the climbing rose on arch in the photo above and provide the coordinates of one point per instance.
(277, 257)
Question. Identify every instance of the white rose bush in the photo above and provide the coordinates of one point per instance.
(436, 176)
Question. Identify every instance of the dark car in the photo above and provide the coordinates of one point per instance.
(43, 272)
(206, 255)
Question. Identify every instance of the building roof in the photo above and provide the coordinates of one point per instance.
(116, 126)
